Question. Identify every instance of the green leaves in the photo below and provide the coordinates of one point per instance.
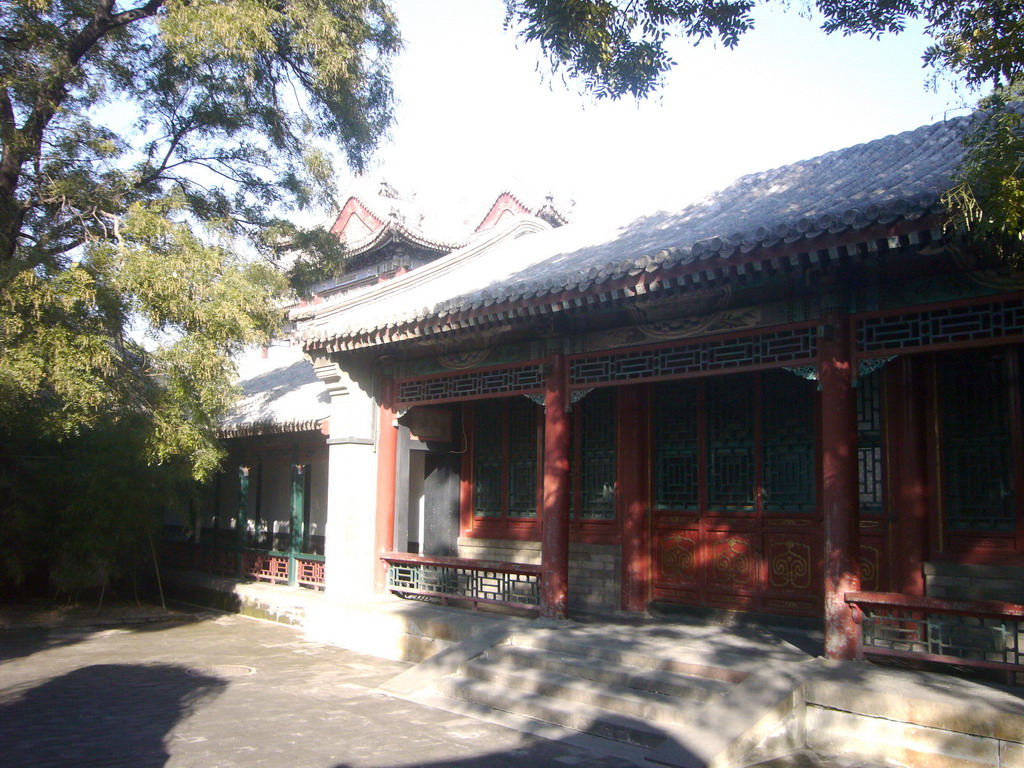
(987, 203)
(619, 48)
(151, 156)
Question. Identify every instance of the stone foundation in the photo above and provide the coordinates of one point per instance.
(594, 569)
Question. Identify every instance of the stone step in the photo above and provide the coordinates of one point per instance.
(738, 669)
(566, 687)
(663, 682)
(575, 715)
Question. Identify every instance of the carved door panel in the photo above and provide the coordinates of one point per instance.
(677, 558)
(732, 568)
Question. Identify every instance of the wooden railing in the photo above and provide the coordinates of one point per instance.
(303, 569)
(461, 579)
(984, 634)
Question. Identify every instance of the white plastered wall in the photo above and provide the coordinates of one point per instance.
(352, 483)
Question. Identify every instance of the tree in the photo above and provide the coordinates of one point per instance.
(150, 155)
(616, 48)
(106, 219)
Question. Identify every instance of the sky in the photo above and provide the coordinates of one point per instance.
(476, 114)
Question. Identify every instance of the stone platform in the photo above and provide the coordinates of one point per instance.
(766, 693)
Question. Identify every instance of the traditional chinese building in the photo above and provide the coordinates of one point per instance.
(795, 389)
(265, 515)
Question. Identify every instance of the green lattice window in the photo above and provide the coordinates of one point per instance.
(488, 458)
(716, 439)
(730, 443)
(976, 395)
(596, 452)
(787, 444)
(505, 459)
(869, 445)
(676, 446)
(522, 458)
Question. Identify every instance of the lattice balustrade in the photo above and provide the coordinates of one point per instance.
(216, 560)
(965, 633)
(778, 348)
(952, 325)
(470, 580)
(264, 566)
(519, 379)
(309, 572)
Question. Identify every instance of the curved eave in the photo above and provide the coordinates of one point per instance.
(394, 231)
(726, 259)
(262, 428)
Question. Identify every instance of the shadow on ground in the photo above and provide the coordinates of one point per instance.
(28, 629)
(104, 714)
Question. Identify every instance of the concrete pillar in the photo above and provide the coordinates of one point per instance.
(555, 523)
(350, 530)
(839, 487)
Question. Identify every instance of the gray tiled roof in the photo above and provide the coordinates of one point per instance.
(896, 178)
(280, 393)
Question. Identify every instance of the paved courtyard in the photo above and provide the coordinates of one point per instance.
(231, 691)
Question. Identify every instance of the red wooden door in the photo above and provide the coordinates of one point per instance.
(735, 522)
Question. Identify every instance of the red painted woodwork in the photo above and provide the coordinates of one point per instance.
(387, 467)
(909, 474)
(631, 501)
(839, 487)
(494, 527)
(555, 520)
(526, 569)
(984, 609)
(737, 557)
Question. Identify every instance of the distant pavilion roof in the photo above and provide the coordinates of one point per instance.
(891, 183)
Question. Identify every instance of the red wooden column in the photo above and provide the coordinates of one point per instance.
(910, 545)
(839, 489)
(387, 462)
(632, 495)
(554, 553)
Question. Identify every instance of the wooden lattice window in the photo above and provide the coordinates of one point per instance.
(717, 440)
(676, 446)
(871, 492)
(594, 454)
(730, 452)
(505, 459)
(787, 444)
(978, 392)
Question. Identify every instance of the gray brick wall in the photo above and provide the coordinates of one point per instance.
(955, 581)
(594, 569)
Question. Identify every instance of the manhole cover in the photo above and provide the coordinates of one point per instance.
(221, 670)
